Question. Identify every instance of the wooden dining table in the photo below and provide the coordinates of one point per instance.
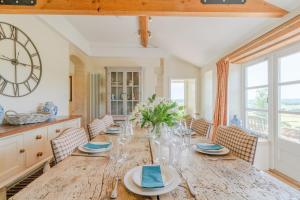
(93, 178)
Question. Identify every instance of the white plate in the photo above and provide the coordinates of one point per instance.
(81, 148)
(222, 152)
(166, 176)
(212, 150)
(131, 186)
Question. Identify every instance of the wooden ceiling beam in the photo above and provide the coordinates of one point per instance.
(143, 30)
(252, 8)
(283, 35)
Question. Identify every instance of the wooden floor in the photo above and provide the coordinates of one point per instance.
(291, 182)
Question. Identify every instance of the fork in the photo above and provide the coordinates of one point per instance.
(114, 193)
(190, 186)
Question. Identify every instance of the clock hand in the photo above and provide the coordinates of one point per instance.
(6, 58)
(15, 59)
(28, 65)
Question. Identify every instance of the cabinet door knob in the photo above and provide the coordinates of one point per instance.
(39, 154)
(38, 137)
(57, 131)
(22, 150)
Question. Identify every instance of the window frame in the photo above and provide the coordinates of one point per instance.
(245, 90)
(277, 83)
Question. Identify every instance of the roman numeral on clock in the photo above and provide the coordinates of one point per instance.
(13, 34)
(16, 89)
(34, 77)
(2, 33)
(27, 85)
(3, 85)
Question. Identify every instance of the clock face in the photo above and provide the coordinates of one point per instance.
(20, 62)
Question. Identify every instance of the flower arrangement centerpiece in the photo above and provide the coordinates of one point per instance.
(155, 112)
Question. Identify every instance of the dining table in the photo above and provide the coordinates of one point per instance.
(212, 178)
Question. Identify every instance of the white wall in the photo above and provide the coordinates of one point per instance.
(179, 69)
(234, 91)
(173, 68)
(208, 91)
(54, 52)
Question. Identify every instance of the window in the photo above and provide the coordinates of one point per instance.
(177, 91)
(289, 97)
(183, 91)
(256, 98)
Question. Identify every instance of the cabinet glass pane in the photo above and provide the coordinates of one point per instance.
(120, 108)
(119, 93)
(114, 107)
(113, 78)
(129, 93)
(113, 93)
(120, 78)
(135, 94)
(129, 107)
(129, 79)
(136, 78)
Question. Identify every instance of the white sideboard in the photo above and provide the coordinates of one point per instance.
(25, 148)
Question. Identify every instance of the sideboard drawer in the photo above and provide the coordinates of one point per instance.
(35, 137)
(75, 123)
(55, 130)
(36, 154)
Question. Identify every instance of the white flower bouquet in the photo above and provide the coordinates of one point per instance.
(157, 111)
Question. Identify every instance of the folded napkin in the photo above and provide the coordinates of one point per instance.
(113, 129)
(207, 147)
(151, 177)
(96, 146)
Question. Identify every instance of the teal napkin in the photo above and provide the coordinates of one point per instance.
(96, 146)
(208, 147)
(151, 177)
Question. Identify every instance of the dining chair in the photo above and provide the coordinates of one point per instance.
(95, 128)
(67, 142)
(240, 143)
(201, 126)
(108, 120)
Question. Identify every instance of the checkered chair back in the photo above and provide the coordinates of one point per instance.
(108, 120)
(238, 141)
(67, 142)
(95, 128)
(201, 126)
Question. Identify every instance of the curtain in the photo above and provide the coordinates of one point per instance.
(220, 114)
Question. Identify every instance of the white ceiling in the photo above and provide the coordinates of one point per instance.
(198, 40)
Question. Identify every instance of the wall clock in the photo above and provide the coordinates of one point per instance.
(20, 62)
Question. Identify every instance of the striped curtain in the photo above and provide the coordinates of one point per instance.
(220, 114)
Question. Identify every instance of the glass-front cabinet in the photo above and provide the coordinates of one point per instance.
(124, 90)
